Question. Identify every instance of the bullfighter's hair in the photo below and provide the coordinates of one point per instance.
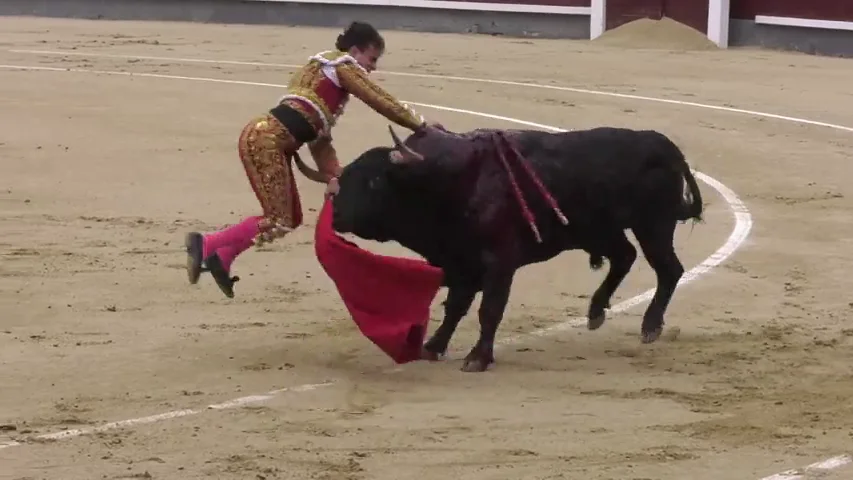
(360, 35)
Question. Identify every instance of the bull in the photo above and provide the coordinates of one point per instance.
(447, 197)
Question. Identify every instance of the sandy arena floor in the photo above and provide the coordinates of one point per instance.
(102, 174)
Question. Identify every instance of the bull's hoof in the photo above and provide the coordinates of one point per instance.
(431, 356)
(477, 362)
(595, 321)
(651, 337)
(596, 262)
(596, 315)
(475, 365)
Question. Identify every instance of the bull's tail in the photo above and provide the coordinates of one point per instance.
(672, 159)
(691, 206)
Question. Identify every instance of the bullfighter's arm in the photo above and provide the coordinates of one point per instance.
(355, 81)
(325, 156)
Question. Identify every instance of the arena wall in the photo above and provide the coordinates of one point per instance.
(813, 9)
(815, 26)
(520, 22)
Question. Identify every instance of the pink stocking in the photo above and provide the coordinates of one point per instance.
(229, 253)
(238, 236)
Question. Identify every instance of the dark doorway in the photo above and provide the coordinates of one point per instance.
(689, 12)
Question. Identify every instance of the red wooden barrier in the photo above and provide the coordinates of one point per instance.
(558, 3)
(841, 10)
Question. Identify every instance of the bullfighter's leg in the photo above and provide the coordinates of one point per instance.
(656, 240)
(622, 255)
(496, 290)
(459, 299)
(263, 147)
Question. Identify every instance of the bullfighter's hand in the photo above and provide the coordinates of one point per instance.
(332, 188)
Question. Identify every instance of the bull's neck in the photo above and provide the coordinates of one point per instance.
(433, 231)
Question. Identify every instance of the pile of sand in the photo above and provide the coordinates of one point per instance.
(665, 34)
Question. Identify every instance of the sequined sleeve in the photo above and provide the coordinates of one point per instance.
(355, 81)
(325, 156)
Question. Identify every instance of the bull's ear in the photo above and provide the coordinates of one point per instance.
(396, 157)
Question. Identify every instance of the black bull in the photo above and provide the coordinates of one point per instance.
(450, 198)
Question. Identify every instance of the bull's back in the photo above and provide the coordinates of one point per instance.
(606, 169)
(598, 151)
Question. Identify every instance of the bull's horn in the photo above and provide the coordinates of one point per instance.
(407, 152)
(309, 172)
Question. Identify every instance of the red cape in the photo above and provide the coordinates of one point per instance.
(388, 297)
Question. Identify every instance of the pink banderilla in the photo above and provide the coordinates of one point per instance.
(525, 210)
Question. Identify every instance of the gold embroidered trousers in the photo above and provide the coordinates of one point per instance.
(266, 149)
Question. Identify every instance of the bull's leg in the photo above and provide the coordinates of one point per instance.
(622, 255)
(459, 299)
(656, 240)
(496, 288)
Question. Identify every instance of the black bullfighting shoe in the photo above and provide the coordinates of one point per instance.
(194, 243)
(197, 264)
(222, 277)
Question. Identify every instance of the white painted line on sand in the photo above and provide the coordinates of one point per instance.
(817, 470)
(743, 219)
(455, 78)
(237, 402)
